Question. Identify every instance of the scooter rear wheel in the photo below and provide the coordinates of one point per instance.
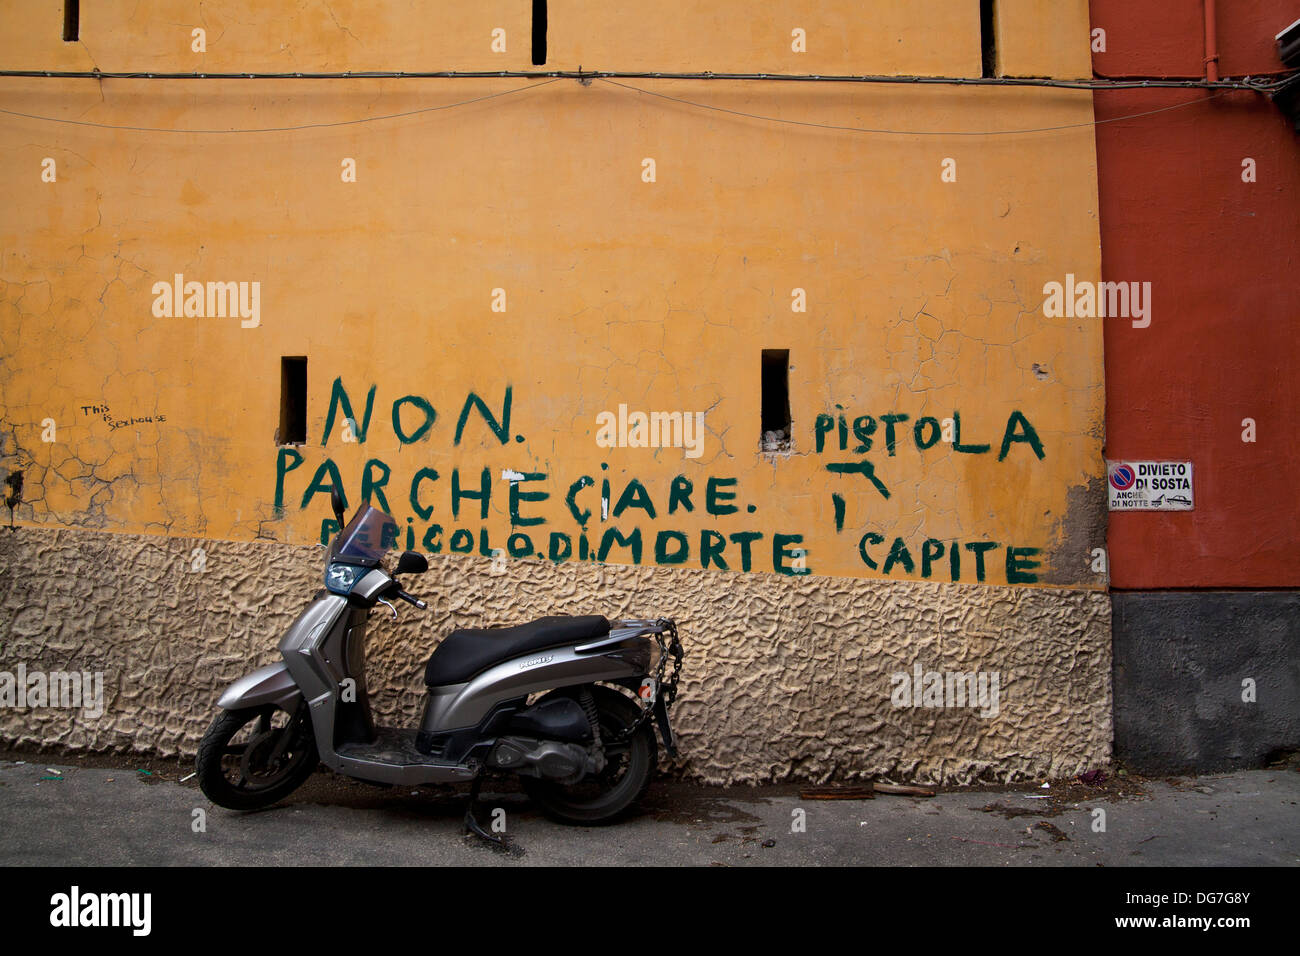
(604, 797)
(253, 758)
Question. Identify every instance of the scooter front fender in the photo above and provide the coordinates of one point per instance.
(271, 684)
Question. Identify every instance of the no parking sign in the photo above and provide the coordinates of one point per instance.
(1149, 485)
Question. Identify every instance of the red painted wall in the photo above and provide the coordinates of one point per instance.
(1223, 257)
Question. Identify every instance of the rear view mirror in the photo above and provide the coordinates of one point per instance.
(336, 502)
(412, 562)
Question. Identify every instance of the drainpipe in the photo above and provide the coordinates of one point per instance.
(1211, 44)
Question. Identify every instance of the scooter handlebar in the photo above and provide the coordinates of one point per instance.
(411, 599)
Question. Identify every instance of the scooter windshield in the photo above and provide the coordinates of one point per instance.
(367, 538)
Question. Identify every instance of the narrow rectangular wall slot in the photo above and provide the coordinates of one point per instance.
(988, 39)
(293, 400)
(71, 20)
(539, 32)
(776, 400)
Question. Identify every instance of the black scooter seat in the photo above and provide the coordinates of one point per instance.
(466, 652)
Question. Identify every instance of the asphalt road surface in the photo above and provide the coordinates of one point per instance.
(69, 811)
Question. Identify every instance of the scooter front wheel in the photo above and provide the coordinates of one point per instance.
(604, 797)
(253, 758)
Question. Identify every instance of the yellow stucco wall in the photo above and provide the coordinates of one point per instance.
(1043, 38)
(922, 296)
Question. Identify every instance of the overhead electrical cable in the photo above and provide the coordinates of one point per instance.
(611, 77)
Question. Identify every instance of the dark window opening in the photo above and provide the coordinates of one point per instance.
(293, 400)
(539, 32)
(988, 42)
(71, 20)
(776, 400)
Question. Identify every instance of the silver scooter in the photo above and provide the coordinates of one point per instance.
(566, 703)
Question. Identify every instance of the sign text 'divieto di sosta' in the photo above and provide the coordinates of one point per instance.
(1150, 485)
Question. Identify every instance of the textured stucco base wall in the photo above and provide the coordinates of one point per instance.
(785, 678)
(1180, 660)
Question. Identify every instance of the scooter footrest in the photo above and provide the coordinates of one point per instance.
(391, 746)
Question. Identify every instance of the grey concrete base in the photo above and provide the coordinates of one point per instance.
(1182, 663)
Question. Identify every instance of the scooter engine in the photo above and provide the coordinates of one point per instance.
(564, 763)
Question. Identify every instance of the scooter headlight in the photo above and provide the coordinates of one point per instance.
(340, 578)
